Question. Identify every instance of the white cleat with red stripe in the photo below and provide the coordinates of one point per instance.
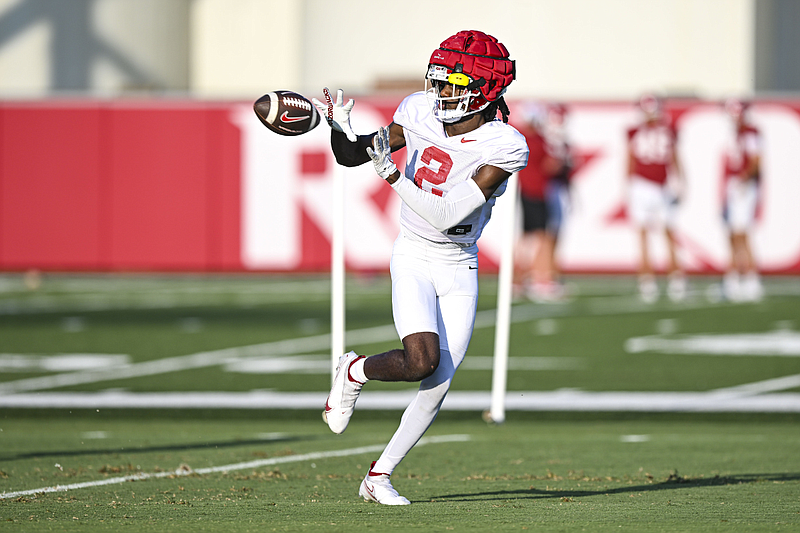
(377, 488)
(344, 393)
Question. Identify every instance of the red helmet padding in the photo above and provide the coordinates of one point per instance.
(481, 57)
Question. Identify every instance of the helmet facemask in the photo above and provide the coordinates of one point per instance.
(453, 95)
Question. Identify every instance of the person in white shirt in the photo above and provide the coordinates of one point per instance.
(459, 156)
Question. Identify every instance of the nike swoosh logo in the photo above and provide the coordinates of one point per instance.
(286, 118)
(468, 140)
(369, 491)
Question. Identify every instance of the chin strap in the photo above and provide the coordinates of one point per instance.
(476, 84)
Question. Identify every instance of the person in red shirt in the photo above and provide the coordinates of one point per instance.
(557, 193)
(655, 186)
(742, 183)
(536, 270)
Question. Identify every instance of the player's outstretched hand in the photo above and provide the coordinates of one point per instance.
(337, 113)
(381, 154)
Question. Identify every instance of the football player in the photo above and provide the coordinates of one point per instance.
(652, 197)
(742, 184)
(459, 158)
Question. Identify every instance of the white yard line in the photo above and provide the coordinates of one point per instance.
(743, 398)
(227, 468)
(316, 343)
(86, 296)
(168, 364)
(761, 387)
(560, 400)
(286, 347)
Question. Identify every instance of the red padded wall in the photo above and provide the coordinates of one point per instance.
(118, 186)
(51, 187)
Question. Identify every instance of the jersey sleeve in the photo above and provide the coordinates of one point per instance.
(511, 155)
(408, 111)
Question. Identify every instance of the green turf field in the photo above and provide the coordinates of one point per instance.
(671, 417)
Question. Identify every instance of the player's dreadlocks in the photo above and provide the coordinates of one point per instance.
(490, 112)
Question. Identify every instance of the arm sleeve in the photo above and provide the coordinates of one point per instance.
(350, 154)
(441, 212)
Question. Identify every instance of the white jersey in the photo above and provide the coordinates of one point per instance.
(436, 163)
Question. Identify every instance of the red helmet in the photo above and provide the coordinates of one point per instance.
(736, 108)
(475, 63)
(651, 105)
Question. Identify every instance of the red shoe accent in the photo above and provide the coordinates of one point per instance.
(370, 491)
(371, 473)
(350, 377)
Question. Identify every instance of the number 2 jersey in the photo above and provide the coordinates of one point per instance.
(436, 163)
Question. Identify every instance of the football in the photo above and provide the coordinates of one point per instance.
(286, 113)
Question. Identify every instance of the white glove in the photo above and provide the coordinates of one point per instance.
(382, 154)
(336, 113)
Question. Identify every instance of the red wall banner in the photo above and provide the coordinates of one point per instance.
(164, 185)
(118, 186)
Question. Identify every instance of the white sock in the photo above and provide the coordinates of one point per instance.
(357, 371)
(416, 419)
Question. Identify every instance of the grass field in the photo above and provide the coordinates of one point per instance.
(623, 417)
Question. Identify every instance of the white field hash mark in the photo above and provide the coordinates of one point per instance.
(228, 468)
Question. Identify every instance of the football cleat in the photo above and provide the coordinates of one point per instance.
(732, 287)
(751, 288)
(677, 287)
(377, 488)
(648, 290)
(344, 393)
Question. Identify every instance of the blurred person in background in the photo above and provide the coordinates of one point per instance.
(543, 196)
(655, 187)
(741, 187)
(557, 193)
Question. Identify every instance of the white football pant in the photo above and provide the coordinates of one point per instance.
(650, 204)
(434, 288)
(741, 201)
